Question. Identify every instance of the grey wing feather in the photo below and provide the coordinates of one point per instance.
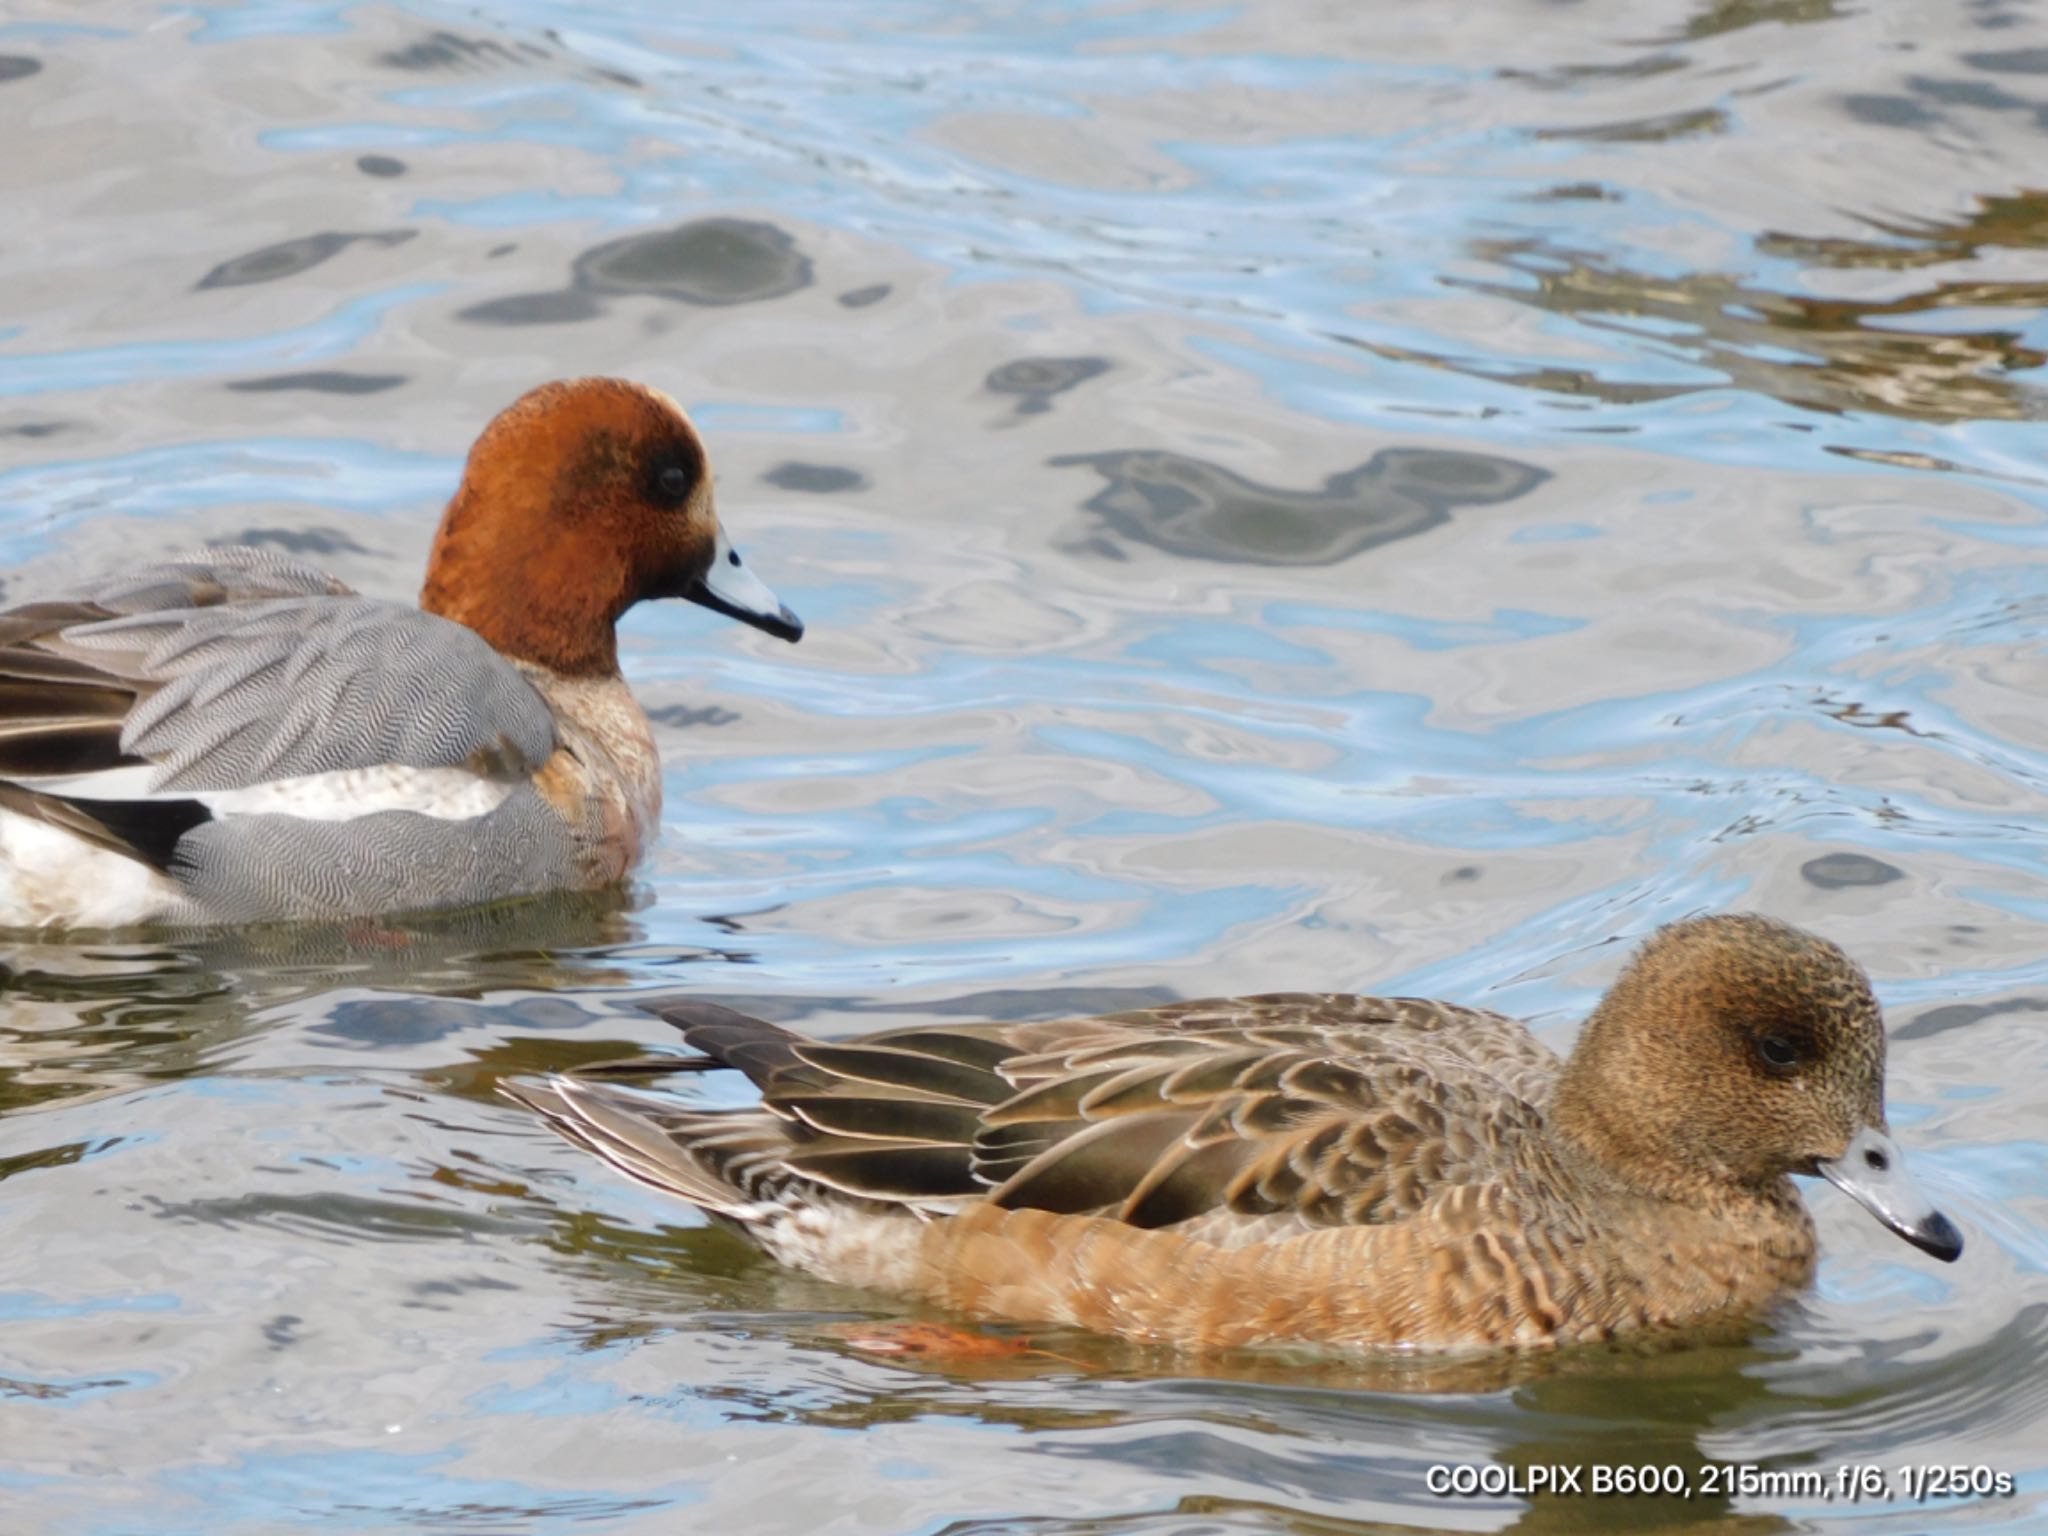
(245, 679)
(208, 578)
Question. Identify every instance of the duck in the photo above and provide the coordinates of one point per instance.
(234, 736)
(1306, 1169)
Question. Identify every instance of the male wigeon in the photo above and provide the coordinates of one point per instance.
(235, 737)
(1300, 1168)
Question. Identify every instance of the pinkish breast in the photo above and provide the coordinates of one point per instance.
(605, 778)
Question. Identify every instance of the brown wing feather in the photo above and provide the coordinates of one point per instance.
(1308, 1109)
(1320, 1109)
(59, 714)
(62, 715)
(608, 1123)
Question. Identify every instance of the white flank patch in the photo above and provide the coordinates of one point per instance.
(877, 1250)
(450, 794)
(48, 876)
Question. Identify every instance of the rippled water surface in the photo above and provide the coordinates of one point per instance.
(1286, 495)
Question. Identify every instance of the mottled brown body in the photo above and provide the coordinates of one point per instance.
(1300, 1168)
(1471, 1270)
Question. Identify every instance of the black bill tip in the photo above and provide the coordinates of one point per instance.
(1937, 1235)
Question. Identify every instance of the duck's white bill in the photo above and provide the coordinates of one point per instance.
(730, 588)
(1872, 1172)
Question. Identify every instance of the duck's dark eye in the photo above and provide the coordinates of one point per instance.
(1778, 1053)
(673, 483)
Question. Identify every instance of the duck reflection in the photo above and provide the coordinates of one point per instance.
(706, 262)
(91, 1017)
(1827, 354)
(1188, 506)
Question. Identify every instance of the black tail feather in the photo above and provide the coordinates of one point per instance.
(147, 831)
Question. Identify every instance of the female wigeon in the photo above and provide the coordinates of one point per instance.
(1353, 1171)
(236, 737)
